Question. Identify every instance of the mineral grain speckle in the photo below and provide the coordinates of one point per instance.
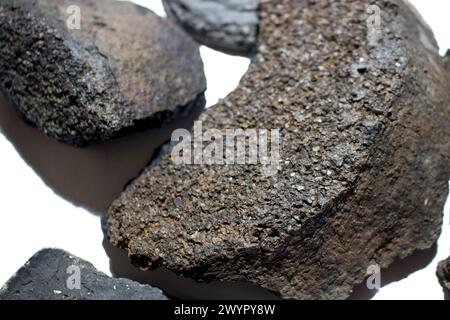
(124, 68)
(364, 160)
(50, 275)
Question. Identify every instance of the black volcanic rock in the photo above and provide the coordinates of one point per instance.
(447, 60)
(46, 275)
(443, 274)
(124, 69)
(226, 25)
(363, 168)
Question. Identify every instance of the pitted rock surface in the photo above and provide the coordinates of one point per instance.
(51, 274)
(124, 68)
(364, 167)
(443, 274)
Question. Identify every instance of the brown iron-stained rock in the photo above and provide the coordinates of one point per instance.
(443, 274)
(226, 25)
(364, 166)
(124, 68)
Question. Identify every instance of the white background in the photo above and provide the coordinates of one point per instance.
(33, 216)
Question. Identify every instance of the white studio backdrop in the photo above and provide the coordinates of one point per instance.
(34, 217)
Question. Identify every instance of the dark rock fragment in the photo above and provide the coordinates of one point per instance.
(124, 68)
(447, 61)
(361, 181)
(443, 274)
(51, 275)
(226, 25)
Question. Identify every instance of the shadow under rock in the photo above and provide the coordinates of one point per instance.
(185, 288)
(399, 270)
(94, 176)
(179, 287)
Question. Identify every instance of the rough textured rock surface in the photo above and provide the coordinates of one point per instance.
(45, 277)
(364, 169)
(226, 25)
(124, 68)
(447, 61)
(443, 274)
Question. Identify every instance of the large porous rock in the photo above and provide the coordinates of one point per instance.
(443, 274)
(116, 68)
(364, 161)
(226, 25)
(51, 275)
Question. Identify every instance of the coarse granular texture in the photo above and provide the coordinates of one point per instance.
(124, 68)
(443, 274)
(364, 168)
(53, 274)
(226, 25)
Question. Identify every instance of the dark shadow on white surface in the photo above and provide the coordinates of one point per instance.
(90, 177)
(397, 271)
(180, 287)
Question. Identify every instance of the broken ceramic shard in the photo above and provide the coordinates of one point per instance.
(443, 274)
(53, 274)
(363, 172)
(115, 67)
(226, 25)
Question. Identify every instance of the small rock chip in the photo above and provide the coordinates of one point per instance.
(443, 274)
(53, 274)
(226, 25)
(373, 172)
(86, 71)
